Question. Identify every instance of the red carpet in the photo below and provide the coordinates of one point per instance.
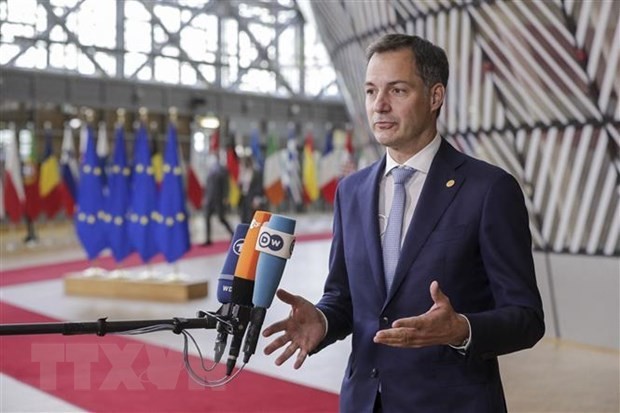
(119, 374)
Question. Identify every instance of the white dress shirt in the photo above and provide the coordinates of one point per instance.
(421, 162)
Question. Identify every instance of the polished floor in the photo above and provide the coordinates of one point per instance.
(554, 376)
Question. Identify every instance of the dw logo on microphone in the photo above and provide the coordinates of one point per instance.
(272, 241)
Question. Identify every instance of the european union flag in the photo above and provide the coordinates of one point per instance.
(257, 153)
(143, 203)
(117, 202)
(173, 227)
(89, 223)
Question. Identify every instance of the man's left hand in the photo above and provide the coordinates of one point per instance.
(440, 325)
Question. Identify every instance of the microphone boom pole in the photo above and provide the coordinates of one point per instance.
(101, 327)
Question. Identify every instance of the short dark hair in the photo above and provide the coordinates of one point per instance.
(431, 60)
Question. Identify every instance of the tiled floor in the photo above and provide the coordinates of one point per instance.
(554, 376)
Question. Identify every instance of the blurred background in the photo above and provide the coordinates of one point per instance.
(108, 104)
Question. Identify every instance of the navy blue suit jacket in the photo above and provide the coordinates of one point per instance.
(473, 238)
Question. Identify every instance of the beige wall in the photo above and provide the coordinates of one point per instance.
(585, 292)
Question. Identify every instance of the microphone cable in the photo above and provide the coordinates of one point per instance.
(187, 337)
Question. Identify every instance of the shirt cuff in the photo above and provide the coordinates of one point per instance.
(327, 324)
(462, 348)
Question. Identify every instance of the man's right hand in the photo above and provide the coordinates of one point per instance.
(303, 329)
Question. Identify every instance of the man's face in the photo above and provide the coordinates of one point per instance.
(398, 104)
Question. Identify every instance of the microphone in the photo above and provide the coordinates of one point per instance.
(224, 287)
(243, 286)
(245, 271)
(275, 244)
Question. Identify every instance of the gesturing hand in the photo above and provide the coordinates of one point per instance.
(303, 329)
(439, 325)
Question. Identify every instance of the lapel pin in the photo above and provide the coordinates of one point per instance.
(450, 183)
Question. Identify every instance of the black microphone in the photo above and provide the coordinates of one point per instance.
(275, 245)
(224, 288)
(243, 287)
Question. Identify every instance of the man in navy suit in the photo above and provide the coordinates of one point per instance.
(464, 288)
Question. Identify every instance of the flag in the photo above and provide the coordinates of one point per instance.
(214, 141)
(49, 179)
(157, 160)
(194, 189)
(257, 153)
(2, 210)
(69, 172)
(329, 171)
(103, 151)
(195, 192)
(272, 176)
(143, 203)
(83, 139)
(173, 228)
(348, 161)
(117, 201)
(232, 164)
(309, 174)
(14, 196)
(30, 170)
(291, 178)
(89, 216)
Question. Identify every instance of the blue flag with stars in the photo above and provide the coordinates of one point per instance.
(173, 226)
(89, 224)
(117, 202)
(143, 204)
(257, 153)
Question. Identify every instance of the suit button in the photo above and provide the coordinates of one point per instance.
(385, 322)
(374, 373)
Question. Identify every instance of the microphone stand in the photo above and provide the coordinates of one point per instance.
(101, 327)
(226, 320)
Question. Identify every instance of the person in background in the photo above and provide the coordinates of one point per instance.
(216, 196)
(252, 192)
(430, 267)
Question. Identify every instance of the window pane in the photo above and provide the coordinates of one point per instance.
(132, 62)
(107, 62)
(166, 70)
(22, 11)
(188, 74)
(137, 36)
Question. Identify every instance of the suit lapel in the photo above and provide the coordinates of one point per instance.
(442, 184)
(368, 197)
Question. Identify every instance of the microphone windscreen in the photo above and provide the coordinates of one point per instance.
(225, 280)
(270, 267)
(245, 271)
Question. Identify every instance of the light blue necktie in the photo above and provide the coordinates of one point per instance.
(393, 231)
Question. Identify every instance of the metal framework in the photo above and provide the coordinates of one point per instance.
(243, 46)
(534, 88)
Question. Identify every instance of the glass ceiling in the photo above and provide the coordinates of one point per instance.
(247, 46)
